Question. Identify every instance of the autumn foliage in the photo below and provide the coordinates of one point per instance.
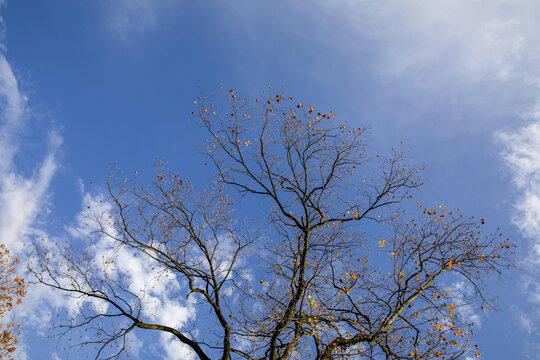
(336, 261)
(12, 290)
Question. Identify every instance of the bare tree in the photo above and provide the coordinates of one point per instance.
(337, 269)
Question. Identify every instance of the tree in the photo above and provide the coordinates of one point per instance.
(337, 268)
(12, 290)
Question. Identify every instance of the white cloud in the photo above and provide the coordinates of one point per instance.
(175, 349)
(21, 198)
(157, 289)
(522, 155)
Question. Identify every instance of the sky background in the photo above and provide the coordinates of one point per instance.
(85, 84)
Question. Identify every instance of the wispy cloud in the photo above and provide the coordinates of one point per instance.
(522, 155)
(525, 321)
(469, 39)
(131, 18)
(22, 197)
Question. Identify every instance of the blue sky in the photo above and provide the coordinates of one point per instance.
(85, 84)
